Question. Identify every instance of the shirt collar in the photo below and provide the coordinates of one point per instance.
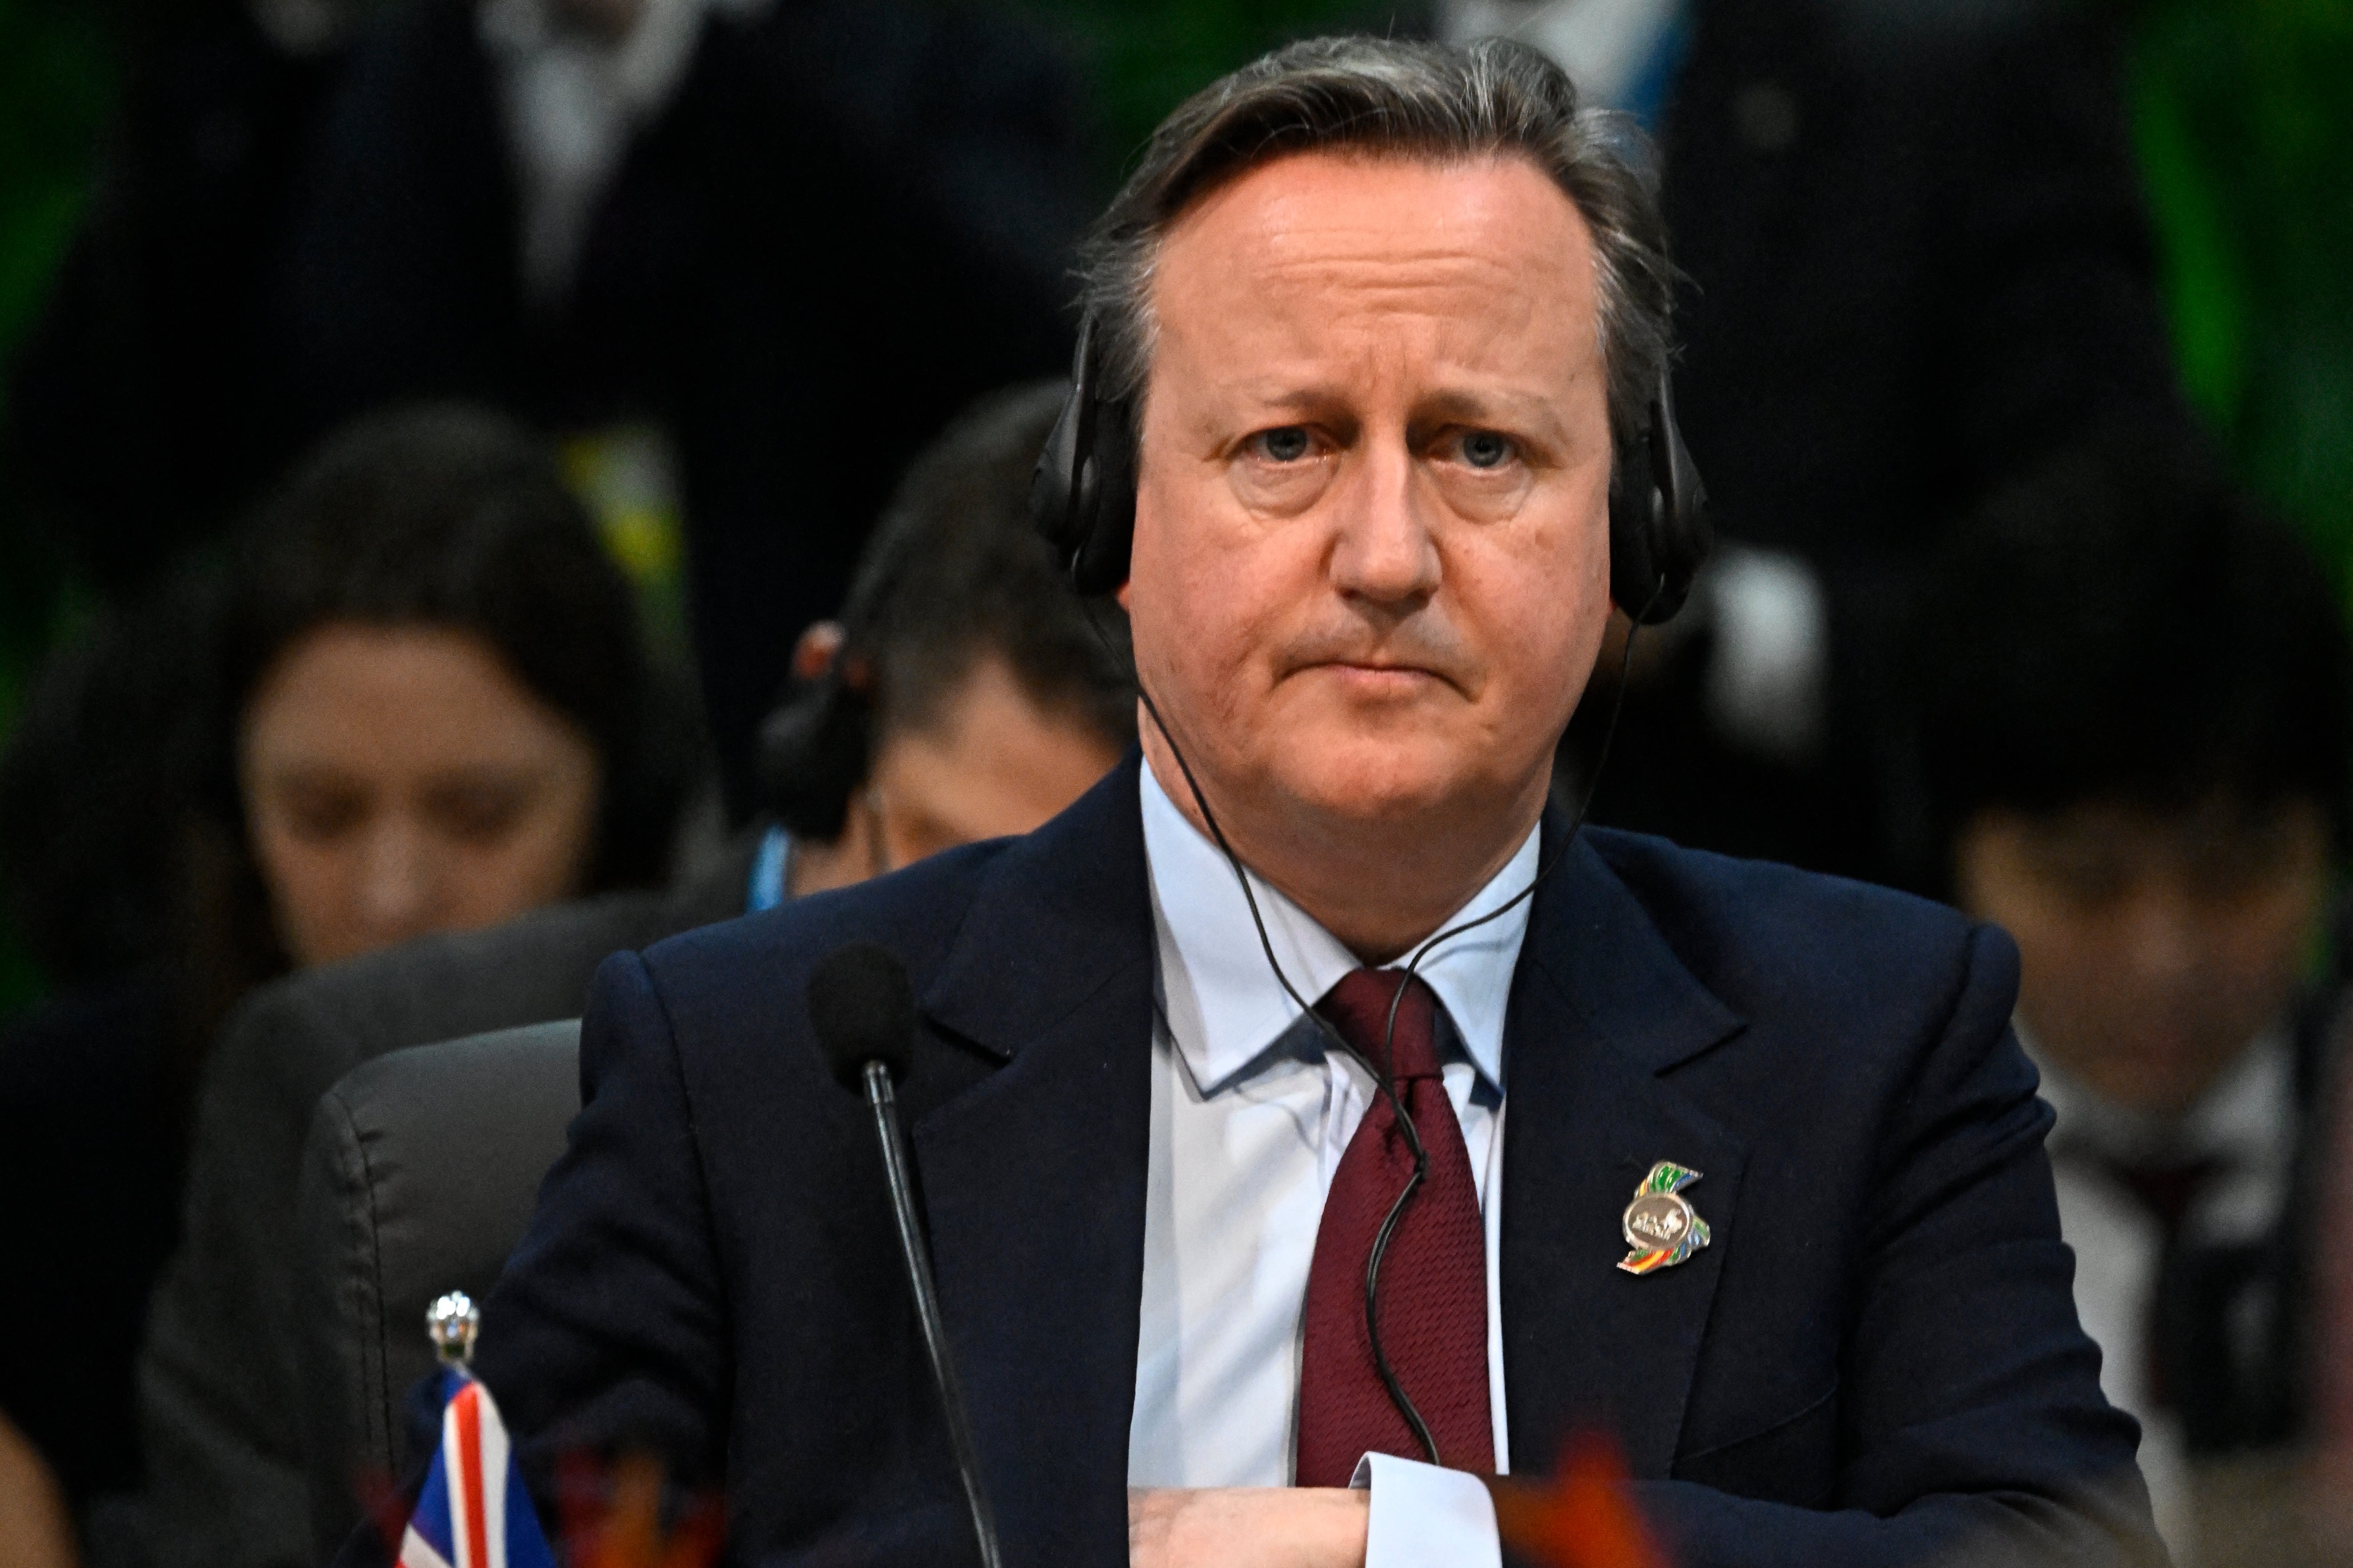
(2236, 1121)
(772, 871)
(1224, 1007)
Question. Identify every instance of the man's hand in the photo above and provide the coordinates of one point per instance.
(1247, 1527)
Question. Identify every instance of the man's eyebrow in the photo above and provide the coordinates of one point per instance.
(1527, 411)
(1451, 403)
(1306, 399)
(1530, 414)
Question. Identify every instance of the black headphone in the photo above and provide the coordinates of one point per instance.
(1082, 497)
(813, 753)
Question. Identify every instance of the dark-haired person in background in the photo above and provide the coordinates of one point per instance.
(2133, 734)
(962, 695)
(445, 713)
(419, 702)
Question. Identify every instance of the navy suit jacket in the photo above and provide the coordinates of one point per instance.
(1877, 1360)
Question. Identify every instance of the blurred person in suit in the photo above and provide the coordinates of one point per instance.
(1917, 262)
(2328, 1482)
(2132, 731)
(778, 231)
(417, 701)
(153, 335)
(961, 695)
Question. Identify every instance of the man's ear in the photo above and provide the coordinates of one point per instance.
(817, 648)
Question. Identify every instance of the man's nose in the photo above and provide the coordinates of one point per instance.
(1384, 551)
(2166, 942)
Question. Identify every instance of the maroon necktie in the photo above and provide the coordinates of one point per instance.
(1433, 1296)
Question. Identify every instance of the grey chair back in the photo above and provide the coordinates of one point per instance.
(419, 1175)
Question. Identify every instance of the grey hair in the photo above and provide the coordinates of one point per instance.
(1383, 97)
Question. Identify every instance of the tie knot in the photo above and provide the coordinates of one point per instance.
(1359, 1008)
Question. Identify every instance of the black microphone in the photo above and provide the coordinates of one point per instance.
(863, 1009)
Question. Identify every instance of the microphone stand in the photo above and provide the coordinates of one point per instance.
(884, 1103)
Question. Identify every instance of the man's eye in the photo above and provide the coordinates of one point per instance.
(2088, 879)
(1288, 445)
(1486, 450)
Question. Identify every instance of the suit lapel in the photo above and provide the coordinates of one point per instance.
(1600, 1008)
(1034, 1180)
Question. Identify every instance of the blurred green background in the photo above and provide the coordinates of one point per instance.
(2242, 114)
(55, 86)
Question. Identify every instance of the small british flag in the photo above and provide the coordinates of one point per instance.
(474, 1511)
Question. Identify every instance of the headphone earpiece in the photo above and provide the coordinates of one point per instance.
(1083, 498)
(1082, 494)
(1659, 532)
(812, 754)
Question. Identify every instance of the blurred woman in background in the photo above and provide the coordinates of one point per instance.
(439, 711)
(416, 701)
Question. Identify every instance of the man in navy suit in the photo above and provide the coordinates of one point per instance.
(1317, 1001)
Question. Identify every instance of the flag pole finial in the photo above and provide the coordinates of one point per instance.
(451, 1323)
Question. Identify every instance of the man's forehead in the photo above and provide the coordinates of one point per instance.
(1485, 261)
(1350, 207)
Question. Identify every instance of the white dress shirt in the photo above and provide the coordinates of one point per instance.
(1610, 48)
(573, 103)
(1250, 1117)
(2246, 1124)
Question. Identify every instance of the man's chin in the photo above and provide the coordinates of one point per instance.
(1395, 786)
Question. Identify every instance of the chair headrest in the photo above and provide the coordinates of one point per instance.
(419, 1175)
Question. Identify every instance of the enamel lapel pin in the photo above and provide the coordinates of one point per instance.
(1660, 1225)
